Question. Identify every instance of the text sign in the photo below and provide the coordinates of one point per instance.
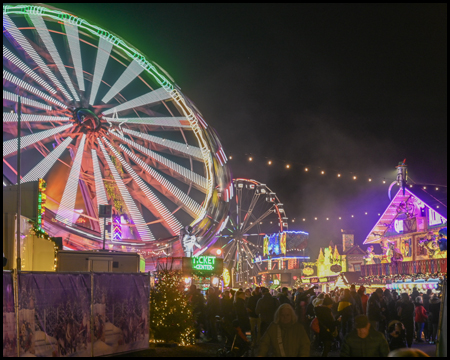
(203, 264)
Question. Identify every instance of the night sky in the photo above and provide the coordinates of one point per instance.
(350, 89)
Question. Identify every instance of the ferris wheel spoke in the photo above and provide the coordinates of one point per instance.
(131, 72)
(176, 195)
(104, 49)
(146, 99)
(26, 69)
(24, 85)
(170, 222)
(250, 209)
(174, 146)
(12, 29)
(135, 214)
(261, 218)
(74, 45)
(26, 101)
(42, 168)
(43, 32)
(172, 123)
(99, 186)
(175, 170)
(12, 117)
(66, 208)
(250, 253)
(238, 207)
(10, 146)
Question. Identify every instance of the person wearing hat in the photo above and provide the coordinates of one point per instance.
(364, 341)
(374, 309)
(327, 323)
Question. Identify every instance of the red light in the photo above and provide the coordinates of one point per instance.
(218, 252)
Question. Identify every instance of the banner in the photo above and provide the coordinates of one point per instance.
(121, 304)
(54, 314)
(9, 317)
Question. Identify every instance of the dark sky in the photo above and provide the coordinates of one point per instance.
(340, 88)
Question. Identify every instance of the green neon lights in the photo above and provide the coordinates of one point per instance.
(203, 263)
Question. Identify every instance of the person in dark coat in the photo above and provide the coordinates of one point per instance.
(364, 341)
(301, 301)
(240, 311)
(433, 316)
(283, 297)
(345, 309)
(265, 309)
(406, 313)
(374, 309)
(327, 324)
(212, 310)
(255, 322)
(357, 299)
(226, 306)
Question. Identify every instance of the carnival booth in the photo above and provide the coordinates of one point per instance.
(282, 258)
(325, 271)
(413, 238)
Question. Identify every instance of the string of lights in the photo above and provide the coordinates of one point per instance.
(292, 165)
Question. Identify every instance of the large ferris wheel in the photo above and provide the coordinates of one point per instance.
(255, 211)
(102, 124)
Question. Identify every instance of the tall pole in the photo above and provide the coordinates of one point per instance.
(104, 232)
(19, 194)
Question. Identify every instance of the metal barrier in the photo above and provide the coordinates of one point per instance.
(74, 314)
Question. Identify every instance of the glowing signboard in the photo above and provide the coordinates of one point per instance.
(203, 264)
(398, 225)
(434, 218)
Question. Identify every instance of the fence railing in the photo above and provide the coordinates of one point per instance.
(431, 266)
(74, 314)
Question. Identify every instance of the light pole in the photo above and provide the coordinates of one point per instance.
(19, 210)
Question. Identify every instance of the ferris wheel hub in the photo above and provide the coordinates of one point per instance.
(87, 119)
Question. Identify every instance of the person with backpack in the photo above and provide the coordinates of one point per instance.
(265, 309)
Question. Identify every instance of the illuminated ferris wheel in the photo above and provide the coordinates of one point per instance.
(255, 211)
(104, 125)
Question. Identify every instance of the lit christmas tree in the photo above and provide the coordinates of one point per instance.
(171, 316)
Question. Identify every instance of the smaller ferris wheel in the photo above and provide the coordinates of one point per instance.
(254, 212)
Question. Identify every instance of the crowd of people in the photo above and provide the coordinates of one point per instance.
(287, 322)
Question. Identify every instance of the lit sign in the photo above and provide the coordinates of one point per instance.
(276, 282)
(314, 280)
(203, 263)
(398, 225)
(42, 186)
(308, 271)
(434, 218)
(226, 277)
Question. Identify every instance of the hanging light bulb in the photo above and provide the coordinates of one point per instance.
(306, 169)
(340, 218)
(339, 175)
(270, 162)
(322, 172)
(354, 177)
(370, 179)
(230, 157)
(250, 159)
(288, 166)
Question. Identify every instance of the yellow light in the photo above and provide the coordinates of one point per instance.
(354, 177)
(315, 218)
(270, 162)
(288, 166)
(370, 179)
(231, 157)
(339, 218)
(322, 172)
(424, 187)
(339, 175)
(384, 181)
(328, 219)
(437, 188)
(306, 169)
(410, 186)
(352, 216)
(304, 219)
(250, 159)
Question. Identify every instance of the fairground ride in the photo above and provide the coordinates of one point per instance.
(102, 124)
(255, 211)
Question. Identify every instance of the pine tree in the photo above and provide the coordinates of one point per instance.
(171, 315)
